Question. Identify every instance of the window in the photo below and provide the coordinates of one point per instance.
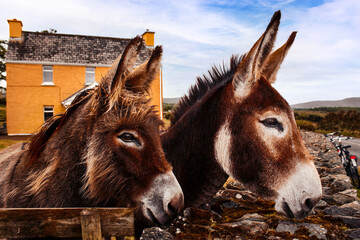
(48, 112)
(89, 75)
(48, 75)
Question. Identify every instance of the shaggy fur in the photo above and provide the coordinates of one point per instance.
(77, 159)
(263, 166)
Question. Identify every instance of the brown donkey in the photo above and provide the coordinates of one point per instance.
(234, 123)
(104, 151)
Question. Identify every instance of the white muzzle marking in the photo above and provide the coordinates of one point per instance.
(300, 192)
(162, 198)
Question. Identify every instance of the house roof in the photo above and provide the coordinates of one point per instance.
(68, 49)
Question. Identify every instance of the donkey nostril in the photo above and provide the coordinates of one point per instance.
(175, 206)
(171, 210)
(308, 204)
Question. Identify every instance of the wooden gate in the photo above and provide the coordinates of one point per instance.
(88, 223)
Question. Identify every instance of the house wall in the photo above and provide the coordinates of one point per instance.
(26, 97)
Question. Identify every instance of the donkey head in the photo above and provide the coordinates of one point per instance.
(259, 143)
(126, 166)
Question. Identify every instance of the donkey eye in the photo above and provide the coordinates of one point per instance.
(273, 123)
(129, 138)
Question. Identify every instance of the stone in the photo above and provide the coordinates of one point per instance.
(353, 222)
(229, 204)
(286, 227)
(338, 199)
(155, 233)
(314, 229)
(235, 185)
(350, 192)
(341, 185)
(327, 190)
(354, 233)
(321, 204)
(253, 228)
(342, 211)
(354, 205)
(253, 217)
(248, 196)
(199, 216)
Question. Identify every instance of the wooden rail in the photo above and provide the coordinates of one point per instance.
(88, 223)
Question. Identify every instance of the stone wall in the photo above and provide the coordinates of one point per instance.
(236, 213)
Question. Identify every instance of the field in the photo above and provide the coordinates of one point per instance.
(325, 120)
(321, 120)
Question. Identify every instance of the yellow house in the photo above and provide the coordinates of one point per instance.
(45, 71)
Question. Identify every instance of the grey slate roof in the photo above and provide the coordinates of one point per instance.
(68, 49)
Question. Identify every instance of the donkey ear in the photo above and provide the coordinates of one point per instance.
(139, 79)
(273, 62)
(125, 64)
(248, 70)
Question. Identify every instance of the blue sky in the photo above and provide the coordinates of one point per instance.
(323, 64)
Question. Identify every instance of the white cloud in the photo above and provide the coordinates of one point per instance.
(323, 62)
(197, 34)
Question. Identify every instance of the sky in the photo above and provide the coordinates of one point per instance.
(323, 63)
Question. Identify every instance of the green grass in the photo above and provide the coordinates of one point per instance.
(2, 114)
(7, 143)
(327, 109)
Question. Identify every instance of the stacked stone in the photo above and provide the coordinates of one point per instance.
(236, 213)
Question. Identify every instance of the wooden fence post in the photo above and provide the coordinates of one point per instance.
(90, 224)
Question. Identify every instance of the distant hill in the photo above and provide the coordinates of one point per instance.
(347, 102)
(171, 100)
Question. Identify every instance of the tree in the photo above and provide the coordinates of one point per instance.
(3, 45)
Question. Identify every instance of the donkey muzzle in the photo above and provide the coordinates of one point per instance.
(163, 200)
(300, 192)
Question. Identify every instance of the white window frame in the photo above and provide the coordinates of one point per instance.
(48, 109)
(46, 69)
(89, 80)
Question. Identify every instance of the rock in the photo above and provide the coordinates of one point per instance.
(235, 185)
(239, 194)
(314, 229)
(248, 196)
(341, 185)
(199, 216)
(327, 190)
(155, 233)
(229, 204)
(353, 222)
(253, 217)
(354, 233)
(350, 192)
(342, 211)
(321, 204)
(337, 199)
(253, 228)
(355, 205)
(287, 227)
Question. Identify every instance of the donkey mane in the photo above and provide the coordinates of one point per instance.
(217, 77)
(39, 140)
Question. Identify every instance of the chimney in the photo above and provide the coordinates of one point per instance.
(15, 28)
(148, 38)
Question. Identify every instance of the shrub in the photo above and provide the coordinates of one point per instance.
(306, 125)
